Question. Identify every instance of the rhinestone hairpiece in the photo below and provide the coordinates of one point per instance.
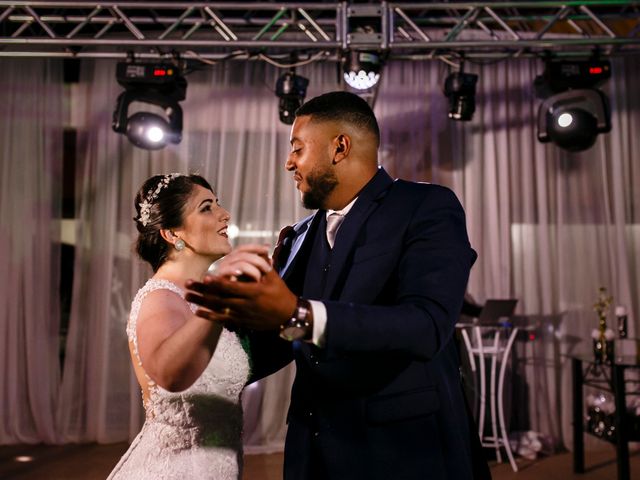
(152, 195)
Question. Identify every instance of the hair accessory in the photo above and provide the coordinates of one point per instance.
(152, 195)
(179, 245)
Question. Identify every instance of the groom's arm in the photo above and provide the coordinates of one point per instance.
(268, 354)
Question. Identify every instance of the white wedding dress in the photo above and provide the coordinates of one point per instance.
(196, 433)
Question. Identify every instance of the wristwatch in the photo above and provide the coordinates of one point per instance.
(298, 327)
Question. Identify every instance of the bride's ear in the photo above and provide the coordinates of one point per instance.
(168, 235)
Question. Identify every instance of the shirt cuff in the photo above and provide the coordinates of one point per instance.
(319, 323)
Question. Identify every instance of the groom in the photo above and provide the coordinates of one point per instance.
(372, 285)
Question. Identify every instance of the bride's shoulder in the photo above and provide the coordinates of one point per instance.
(160, 284)
(159, 295)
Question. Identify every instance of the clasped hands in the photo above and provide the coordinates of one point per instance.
(243, 291)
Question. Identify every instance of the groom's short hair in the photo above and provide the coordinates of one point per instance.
(341, 106)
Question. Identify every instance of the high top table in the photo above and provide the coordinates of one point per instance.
(490, 344)
(611, 378)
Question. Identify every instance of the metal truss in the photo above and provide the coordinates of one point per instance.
(222, 30)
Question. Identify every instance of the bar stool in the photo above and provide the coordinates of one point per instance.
(487, 343)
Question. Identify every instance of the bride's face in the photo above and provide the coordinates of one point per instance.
(205, 224)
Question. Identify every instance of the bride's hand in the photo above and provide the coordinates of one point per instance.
(246, 262)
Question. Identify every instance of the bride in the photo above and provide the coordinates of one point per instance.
(191, 370)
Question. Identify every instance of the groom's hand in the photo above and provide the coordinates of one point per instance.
(262, 305)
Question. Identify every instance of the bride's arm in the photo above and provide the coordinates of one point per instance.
(175, 346)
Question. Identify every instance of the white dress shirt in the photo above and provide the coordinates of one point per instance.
(317, 307)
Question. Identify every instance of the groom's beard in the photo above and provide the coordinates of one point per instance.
(321, 183)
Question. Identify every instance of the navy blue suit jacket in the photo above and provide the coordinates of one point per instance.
(383, 399)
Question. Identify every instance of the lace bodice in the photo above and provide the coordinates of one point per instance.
(205, 420)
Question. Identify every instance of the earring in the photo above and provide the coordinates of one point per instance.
(179, 245)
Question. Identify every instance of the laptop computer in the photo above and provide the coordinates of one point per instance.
(495, 309)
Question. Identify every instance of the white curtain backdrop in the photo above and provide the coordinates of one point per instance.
(233, 138)
(550, 227)
(31, 123)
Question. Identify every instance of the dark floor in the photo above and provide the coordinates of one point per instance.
(92, 462)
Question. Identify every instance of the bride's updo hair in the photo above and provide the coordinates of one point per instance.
(160, 204)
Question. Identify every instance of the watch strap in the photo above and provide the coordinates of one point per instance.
(298, 327)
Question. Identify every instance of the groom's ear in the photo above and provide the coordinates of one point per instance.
(342, 147)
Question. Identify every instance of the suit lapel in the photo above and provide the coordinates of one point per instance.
(368, 201)
(303, 237)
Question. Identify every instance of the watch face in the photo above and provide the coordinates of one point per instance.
(292, 332)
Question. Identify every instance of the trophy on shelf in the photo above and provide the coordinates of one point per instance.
(621, 315)
(603, 336)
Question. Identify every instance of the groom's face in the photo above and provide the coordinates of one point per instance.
(311, 161)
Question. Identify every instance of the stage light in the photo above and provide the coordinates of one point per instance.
(565, 120)
(361, 69)
(460, 89)
(574, 112)
(573, 119)
(562, 75)
(159, 85)
(150, 131)
(291, 90)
